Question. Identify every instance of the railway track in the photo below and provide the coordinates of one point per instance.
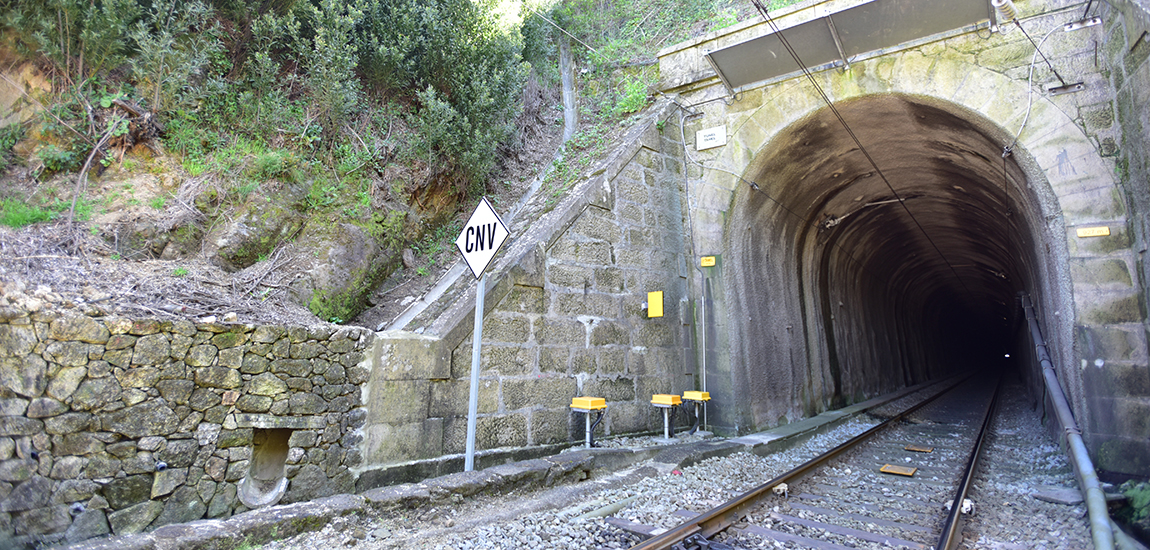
(889, 487)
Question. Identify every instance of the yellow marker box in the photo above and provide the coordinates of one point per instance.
(697, 395)
(588, 403)
(707, 261)
(655, 304)
(665, 399)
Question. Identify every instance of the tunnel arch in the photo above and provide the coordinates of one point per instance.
(844, 294)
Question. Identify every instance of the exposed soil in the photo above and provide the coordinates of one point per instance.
(540, 136)
(81, 265)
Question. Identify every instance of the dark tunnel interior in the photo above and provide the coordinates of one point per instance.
(905, 273)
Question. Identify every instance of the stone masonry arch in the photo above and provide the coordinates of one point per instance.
(1058, 182)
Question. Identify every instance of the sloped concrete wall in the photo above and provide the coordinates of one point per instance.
(112, 425)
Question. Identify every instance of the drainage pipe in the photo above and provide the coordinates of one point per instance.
(1083, 466)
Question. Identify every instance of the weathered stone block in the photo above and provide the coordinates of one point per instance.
(234, 438)
(490, 432)
(134, 519)
(16, 340)
(266, 384)
(17, 425)
(148, 418)
(182, 507)
(1102, 308)
(548, 393)
(390, 444)
(139, 377)
(407, 356)
(619, 389)
(28, 495)
(553, 426)
(45, 407)
(566, 332)
(69, 354)
(17, 470)
(398, 401)
(167, 480)
(655, 334)
(305, 350)
(27, 376)
(79, 328)
(450, 397)
(151, 350)
(65, 382)
(218, 377)
(89, 524)
(306, 403)
(78, 444)
(254, 364)
(605, 333)
(254, 403)
(120, 358)
(42, 521)
(291, 367)
(201, 355)
(231, 358)
(13, 406)
(67, 423)
(554, 359)
(592, 304)
(94, 393)
(74, 490)
(525, 299)
(570, 276)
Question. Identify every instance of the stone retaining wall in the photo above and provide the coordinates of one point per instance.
(564, 317)
(117, 425)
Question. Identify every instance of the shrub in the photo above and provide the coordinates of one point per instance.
(174, 46)
(468, 72)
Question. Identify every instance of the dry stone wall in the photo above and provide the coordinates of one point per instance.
(122, 425)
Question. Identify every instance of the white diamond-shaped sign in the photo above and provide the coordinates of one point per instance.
(481, 237)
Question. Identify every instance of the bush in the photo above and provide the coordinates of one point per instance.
(468, 72)
(10, 135)
(174, 46)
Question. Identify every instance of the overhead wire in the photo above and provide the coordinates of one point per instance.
(830, 105)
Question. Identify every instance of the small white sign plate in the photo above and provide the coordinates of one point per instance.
(481, 237)
(710, 138)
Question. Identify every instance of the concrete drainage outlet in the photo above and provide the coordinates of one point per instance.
(265, 483)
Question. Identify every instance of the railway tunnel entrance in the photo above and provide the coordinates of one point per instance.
(860, 271)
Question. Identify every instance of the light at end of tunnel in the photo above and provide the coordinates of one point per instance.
(1008, 356)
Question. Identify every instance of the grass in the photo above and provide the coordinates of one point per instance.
(16, 213)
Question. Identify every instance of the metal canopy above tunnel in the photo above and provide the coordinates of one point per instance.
(838, 38)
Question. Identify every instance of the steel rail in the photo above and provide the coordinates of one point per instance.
(950, 535)
(718, 519)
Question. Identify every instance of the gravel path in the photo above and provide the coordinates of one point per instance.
(1008, 516)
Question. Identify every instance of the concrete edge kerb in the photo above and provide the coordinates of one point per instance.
(282, 521)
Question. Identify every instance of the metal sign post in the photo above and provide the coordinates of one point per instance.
(480, 239)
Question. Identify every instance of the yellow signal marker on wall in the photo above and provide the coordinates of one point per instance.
(655, 304)
(1093, 231)
(707, 261)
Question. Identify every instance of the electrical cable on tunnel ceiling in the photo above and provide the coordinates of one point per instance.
(786, 44)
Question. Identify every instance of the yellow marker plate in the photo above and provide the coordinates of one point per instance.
(588, 403)
(665, 399)
(898, 470)
(707, 261)
(918, 449)
(1093, 231)
(697, 395)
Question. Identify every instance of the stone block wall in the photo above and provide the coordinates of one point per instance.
(116, 426)
(564, 318)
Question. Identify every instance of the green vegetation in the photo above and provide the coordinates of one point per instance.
(179, 272)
